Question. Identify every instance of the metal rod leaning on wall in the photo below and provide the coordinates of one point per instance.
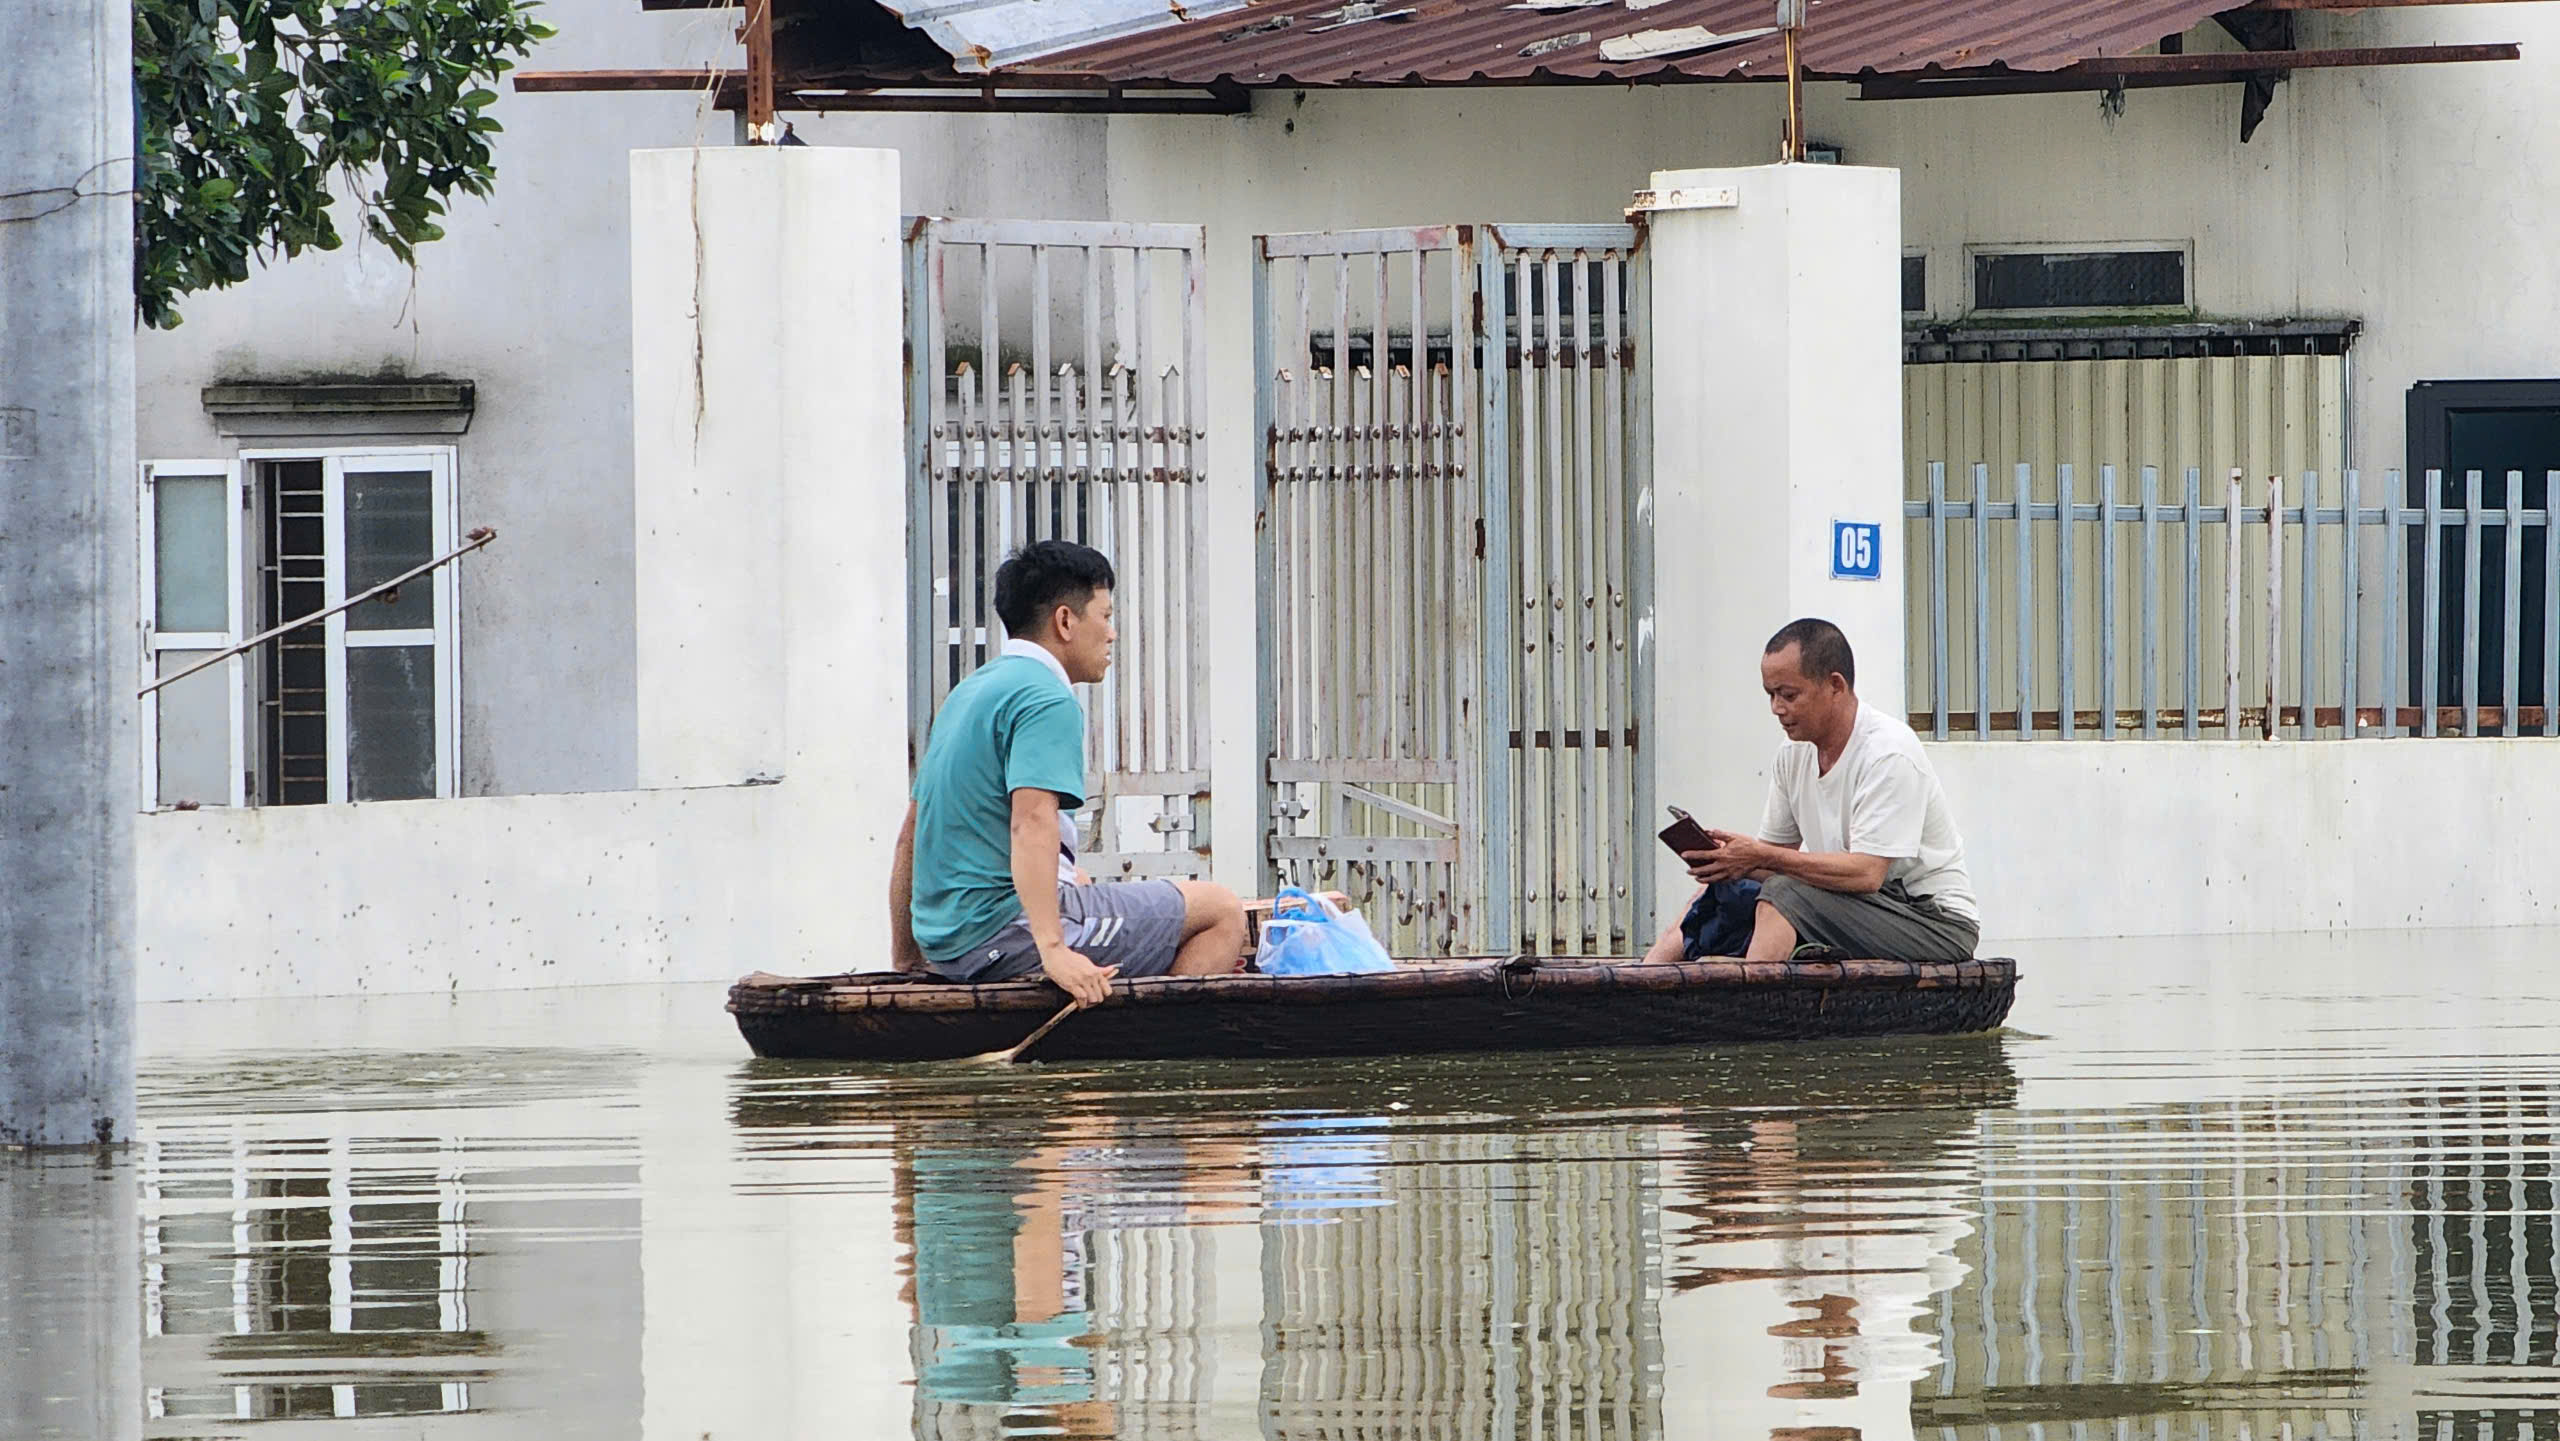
(2471, 603)
(2511, 522)
(471, 542)
(2275, 602)
(2550, 602)
(2231, 609)
(2350, 593)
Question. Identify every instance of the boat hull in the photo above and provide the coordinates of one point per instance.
(1453, 1006)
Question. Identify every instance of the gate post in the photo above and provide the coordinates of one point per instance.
(1777, 412)
(769, 487)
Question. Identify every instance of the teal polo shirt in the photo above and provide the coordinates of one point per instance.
(1012, 725)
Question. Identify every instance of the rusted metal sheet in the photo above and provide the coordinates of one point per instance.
(1385, 42)
(827, 53)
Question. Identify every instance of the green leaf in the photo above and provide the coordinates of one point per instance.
(252, 110)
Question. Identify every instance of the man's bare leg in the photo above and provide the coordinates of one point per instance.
(1671, 945)
(1212, 930)
(1773, 936)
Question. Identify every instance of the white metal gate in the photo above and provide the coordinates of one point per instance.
(1454, 567)
(1055, 389)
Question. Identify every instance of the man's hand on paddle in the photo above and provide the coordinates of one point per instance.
(1088, 983)
(1736, 857)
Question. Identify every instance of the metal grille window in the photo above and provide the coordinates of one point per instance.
(2043, 280)
(360, 706)
(1915, 284)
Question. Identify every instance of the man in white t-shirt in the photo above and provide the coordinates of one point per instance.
(1857, 855)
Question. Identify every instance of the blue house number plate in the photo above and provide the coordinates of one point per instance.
(1857, 550)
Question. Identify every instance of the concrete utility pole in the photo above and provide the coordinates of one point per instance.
(68, 647)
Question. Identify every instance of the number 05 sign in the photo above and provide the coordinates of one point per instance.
(1857, 550)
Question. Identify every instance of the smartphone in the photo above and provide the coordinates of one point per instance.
(1685, 834)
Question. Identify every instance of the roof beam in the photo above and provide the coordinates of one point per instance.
(2136, 72)
(558, 82)
(1004, 101)
(2255, 61)
(2059, 82)
(2359, 4)
(563, 82)
(1025, 94)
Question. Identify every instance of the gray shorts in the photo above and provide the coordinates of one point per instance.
(1887, 925)
(1135, 925)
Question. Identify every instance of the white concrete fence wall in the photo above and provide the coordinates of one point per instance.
(772, 643)
(772, 632)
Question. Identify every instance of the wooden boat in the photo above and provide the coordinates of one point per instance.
(1465, 1005)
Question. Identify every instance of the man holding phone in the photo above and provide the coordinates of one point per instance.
(1857, 854)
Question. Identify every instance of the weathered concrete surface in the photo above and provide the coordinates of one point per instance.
(67, 641)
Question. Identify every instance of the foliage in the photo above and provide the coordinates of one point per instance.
(249, 110)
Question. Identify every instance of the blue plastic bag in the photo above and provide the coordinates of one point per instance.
(1308, 935)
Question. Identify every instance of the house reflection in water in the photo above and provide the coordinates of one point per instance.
(266, 1259)
(2374, 1261)
(1516, 1271)
(319, 1246)
(1883, 1247)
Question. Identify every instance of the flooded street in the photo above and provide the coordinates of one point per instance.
(2248, 1189)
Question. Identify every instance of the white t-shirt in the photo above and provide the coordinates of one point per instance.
(1881, 798)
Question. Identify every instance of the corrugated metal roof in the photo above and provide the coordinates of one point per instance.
(981, 36)
(1424, 42)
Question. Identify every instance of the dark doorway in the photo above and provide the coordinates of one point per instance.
(2494, 427)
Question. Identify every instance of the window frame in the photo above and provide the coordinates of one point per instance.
(155, 640)
(442, 462)
(2185, 250)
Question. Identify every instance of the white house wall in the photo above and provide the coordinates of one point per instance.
(529, 295)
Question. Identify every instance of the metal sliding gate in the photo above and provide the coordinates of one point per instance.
(1454, 568)
(1056, 388)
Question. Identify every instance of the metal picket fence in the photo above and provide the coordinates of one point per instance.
(2048, 613)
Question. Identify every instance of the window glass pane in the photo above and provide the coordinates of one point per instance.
(1915, 283)
(2082, 280)
(195, 731)
(390, 529)
(190, 570)
(391, 722)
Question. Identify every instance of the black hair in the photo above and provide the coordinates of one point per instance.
(1820, 647)
(1046, 574)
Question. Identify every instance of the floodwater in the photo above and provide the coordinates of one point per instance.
(2232, 1190)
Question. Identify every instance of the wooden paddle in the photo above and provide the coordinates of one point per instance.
(1009, 1056)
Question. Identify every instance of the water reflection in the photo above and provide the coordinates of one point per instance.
(1420, 1250)
(2140, 1220)
(2359, 1260)
(317, 1245)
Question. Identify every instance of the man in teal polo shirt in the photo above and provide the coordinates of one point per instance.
(985, 885)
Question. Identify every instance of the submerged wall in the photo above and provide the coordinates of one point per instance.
(2168, 838)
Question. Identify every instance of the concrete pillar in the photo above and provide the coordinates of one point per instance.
(1777, 410)
(770, 505)
(68, 662)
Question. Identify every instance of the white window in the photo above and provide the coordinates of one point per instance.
(191, 610)
(360, 706)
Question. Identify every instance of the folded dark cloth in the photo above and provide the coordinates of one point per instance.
(1719, 921)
